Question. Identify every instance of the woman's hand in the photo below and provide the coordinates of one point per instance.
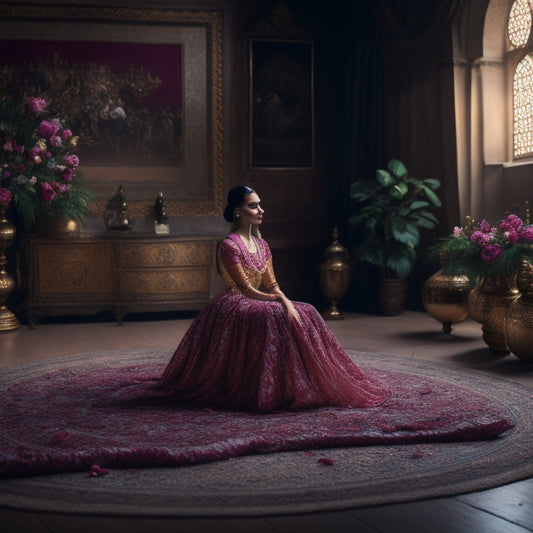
(290, 310)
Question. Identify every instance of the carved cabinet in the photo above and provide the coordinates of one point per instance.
(86, 274)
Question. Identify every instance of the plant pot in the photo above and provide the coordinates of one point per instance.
(488, 304)
(391, 296)
(519, 319)
(56, 226)
(445, 298)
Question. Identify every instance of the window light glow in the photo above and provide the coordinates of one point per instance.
(523, 107)
(519, 23)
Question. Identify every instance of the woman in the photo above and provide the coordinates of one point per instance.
(251, 347)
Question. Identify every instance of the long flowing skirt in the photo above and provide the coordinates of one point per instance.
(245, 353)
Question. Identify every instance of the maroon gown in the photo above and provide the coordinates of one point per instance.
(245, 353)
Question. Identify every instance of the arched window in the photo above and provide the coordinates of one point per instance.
(518, 33)
(519, 23)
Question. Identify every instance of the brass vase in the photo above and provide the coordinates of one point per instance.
(56, 226)
(519, 319)
(334, 276)
(8, 320)
(445, 298)
(488, 304)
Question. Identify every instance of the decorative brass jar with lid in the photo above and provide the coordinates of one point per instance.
(8, 320)
(334, 276)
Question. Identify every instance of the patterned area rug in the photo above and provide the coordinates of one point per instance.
(316, 478)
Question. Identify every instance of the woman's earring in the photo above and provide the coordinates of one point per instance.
(237, 215)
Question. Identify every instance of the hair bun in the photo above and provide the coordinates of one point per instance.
(236, 196)
(228, 213)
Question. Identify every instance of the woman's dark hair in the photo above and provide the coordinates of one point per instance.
(236, 197)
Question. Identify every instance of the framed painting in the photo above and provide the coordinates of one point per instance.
(282, 118)
(142, 88)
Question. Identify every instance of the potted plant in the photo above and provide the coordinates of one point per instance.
(392, 208)
(492, 257)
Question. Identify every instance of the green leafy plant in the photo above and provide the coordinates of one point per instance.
(391, 211)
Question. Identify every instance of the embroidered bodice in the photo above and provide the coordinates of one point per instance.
(241, 269)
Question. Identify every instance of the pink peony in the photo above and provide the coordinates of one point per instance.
(526, 234)
(511, 221)
(47, 129)
(5, 195)
(8, 146)
(491, 252)
(47, 192)
(35, 151)
(457, 231)
(72, 160)
(484, 226)
(36, 105)
(66, 134)
(480, 237)
(67, 175)
(55, 141)
(59, 188)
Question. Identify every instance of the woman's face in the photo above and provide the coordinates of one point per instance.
(250, 210)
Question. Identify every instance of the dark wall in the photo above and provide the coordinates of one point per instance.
(303, 206)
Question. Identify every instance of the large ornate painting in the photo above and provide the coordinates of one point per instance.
(281, 104)
(142, 88)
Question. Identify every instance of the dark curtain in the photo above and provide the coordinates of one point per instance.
(364, 136)
(399, 103)
(419, 110)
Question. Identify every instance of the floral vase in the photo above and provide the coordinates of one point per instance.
(488, 304)
(445, 298)
(8, 320)
(519, 319)
(56, 226)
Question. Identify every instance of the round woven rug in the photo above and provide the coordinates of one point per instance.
(291, 482)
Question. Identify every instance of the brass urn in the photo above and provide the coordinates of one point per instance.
(445, 298)
(519, 319)
(488, 304)
(8, 320)
(334, 276)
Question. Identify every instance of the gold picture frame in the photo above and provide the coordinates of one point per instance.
(192, 183)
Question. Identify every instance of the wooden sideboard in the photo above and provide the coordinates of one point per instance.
(84, 274)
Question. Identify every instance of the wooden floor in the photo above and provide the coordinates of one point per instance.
(506, 509)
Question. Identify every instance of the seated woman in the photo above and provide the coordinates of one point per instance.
(251, 347)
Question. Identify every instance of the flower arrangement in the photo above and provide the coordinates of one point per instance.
(480, 250)
(38, 172)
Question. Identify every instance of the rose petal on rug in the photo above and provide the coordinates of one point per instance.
(93, 413)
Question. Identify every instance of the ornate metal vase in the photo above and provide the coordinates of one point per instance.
(445, 298)
(8, 320)
(334, 276)
(519, 319)
(488, 304)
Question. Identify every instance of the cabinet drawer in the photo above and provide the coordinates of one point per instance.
(161, 254)
(72, 273)
(164, 284)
